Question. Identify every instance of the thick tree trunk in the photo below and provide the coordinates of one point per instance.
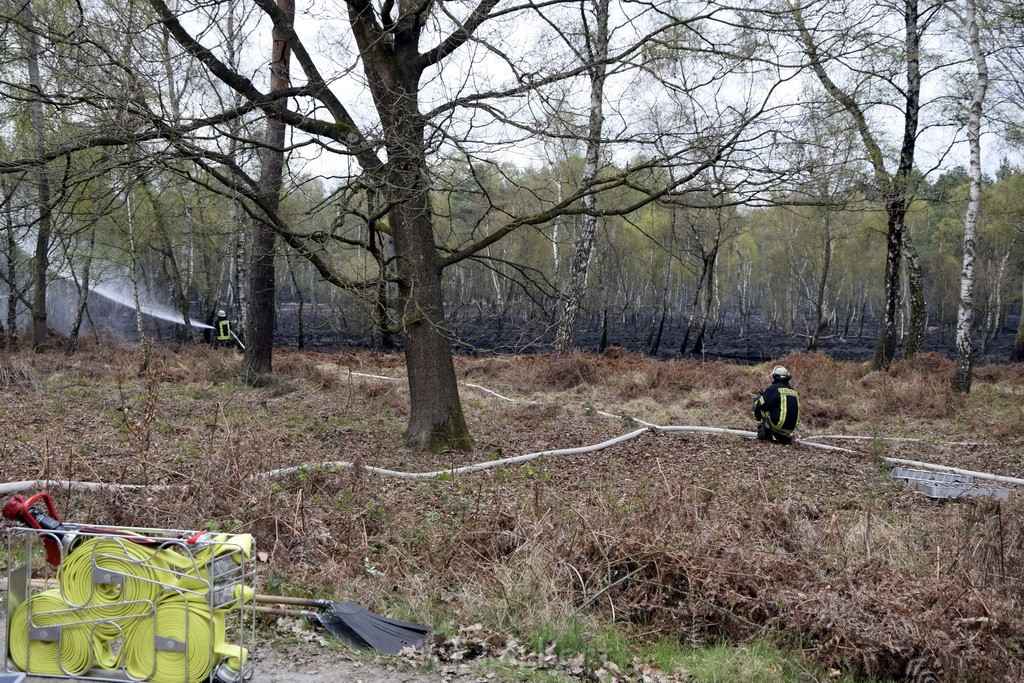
(40, 268)
(965, 314)
(44, 225)
(260, 314)
(259, 340)
(436, 420)
(579, 269)
(898, 189)
(885, 350)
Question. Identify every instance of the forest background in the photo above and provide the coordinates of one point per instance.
(517, 177)
(678, 178)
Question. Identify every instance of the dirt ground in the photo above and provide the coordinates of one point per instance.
(297, 664)
(690, 535)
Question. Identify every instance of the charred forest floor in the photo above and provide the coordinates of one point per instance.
(693, 538)
(513, 332)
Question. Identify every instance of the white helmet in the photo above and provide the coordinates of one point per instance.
(222, 314)
(780, 372)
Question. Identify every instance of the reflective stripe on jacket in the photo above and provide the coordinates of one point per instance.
(224, 330)
(780, 404)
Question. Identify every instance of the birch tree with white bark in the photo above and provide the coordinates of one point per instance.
(596, 55)
(965, 314)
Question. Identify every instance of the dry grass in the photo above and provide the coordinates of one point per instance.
(14, 374)
(693, 536)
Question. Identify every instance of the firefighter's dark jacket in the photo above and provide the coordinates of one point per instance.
(780, 404)
(222, 327)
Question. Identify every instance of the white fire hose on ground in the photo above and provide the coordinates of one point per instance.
(644, 427)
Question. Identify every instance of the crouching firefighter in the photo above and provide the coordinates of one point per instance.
(777, 409)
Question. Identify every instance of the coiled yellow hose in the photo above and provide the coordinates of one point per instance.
(184, 640)
(162, 609)
(68, 644)
(116, 578)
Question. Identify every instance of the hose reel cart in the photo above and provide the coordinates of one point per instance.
(125, 603)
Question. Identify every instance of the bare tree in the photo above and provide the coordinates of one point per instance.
(827, 180)
(706, 231)
(596, 58)
(827, 44)
(261, 307)
(965, 315)
(43, 228)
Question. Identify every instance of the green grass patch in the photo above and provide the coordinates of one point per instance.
(756, 662)
(597, 644)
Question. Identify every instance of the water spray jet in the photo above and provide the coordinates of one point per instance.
(115, 292)
(120, 289)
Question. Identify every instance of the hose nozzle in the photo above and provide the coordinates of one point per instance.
(42, 516)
